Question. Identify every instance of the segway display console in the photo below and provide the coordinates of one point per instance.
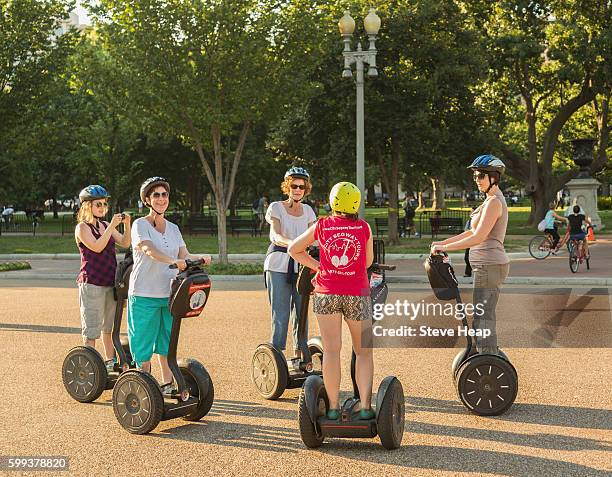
(487, 384)
(84, 372)
(138, 402)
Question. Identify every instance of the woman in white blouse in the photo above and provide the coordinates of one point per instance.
(288, 219)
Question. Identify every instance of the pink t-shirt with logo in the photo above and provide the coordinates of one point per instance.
(342, 256)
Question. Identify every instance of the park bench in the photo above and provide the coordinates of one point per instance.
(199, 223)
(242, 224)
(446, 225)
(382, 225)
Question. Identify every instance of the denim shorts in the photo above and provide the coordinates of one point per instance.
(97, 306)
(355, 308)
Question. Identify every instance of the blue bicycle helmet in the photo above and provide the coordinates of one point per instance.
(488, 163)
(297, 172)
(93, 192)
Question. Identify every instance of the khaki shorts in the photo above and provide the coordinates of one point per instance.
(355, 308)
(97, 306)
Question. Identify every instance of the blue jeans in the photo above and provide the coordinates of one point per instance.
(285, 301)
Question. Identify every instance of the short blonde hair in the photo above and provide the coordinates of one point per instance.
(286, 185)
(85, 213)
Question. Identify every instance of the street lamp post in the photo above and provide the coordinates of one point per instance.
(359, 57)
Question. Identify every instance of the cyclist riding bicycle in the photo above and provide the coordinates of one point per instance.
(551, 228)
(576, 220)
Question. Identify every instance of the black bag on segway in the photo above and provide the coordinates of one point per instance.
(122, 275)
(441, 277)
(189, 293)
(304, 283)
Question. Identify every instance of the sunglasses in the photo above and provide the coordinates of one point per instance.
(478, 176)
(295, 186)
(157, 195)
(100, 204)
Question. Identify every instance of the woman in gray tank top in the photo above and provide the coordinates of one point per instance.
(485, 239)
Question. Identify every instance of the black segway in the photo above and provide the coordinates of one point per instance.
(388, 422)
(487, 384)
(138, 402)
(271, 372)
(84, 373)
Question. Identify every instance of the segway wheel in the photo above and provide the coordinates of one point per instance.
(535, 248)
(137, 402)
(487, 385)
(269, 372)
(199, 385)
(84, 374)
(390, 416)
(310, 431)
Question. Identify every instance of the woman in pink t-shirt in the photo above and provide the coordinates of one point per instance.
(342, 290)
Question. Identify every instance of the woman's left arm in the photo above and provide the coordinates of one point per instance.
(124, 239)
(297, 249)
(490, 213)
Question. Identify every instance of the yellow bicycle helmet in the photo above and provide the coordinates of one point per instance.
(345, 197)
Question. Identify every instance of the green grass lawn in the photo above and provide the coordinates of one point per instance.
(204, 244)
(9, 266)
(207, 244)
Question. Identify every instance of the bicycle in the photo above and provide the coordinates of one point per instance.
(578, 255)
(541, 246)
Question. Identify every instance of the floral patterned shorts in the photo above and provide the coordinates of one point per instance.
(355, 308)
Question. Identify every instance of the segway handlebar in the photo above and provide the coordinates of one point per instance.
(382, 266)
(190, 263)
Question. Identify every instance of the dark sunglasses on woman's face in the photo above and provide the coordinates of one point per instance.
(101, 204)
(157, 195)
(296, 186)
(479, 176)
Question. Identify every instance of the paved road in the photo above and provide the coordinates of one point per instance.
(560, 425)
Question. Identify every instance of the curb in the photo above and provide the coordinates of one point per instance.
(413, 279)
(234, 256)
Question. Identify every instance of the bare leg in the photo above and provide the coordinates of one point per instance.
(364, 366)
(331, 334)
(165, 369)
(107, 341)
(89, 342)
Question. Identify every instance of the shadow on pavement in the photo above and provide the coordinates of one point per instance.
(39, 328)
(543, 414)
(457, 459)
(255, 437)
(250, 409)
(539, 441)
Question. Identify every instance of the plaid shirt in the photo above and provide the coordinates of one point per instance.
(98, 268)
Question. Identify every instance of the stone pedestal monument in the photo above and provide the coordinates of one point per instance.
(583, 189)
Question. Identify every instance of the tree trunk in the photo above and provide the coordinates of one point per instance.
(437, 191)
(371, 195)
(223, 180)
(390, 184)
(421, 200)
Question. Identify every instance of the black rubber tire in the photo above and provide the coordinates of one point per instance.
(574, 263)
(137, 402)
(269, 372)
(311, 434)
(390, 419)
(534, 248)
(486, 379)
(84, 374)
(317, 359)
(198, 380)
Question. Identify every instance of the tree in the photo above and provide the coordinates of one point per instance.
(549, 60)
(206, 72)
(31, 53)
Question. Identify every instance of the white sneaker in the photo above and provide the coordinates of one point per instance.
(168, 389)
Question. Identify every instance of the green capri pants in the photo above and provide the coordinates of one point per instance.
(149, 327)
